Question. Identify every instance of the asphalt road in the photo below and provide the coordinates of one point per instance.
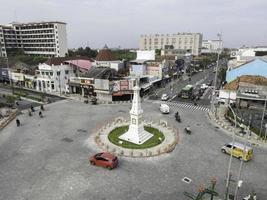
(38, 162)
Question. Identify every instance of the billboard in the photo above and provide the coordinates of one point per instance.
(116, 86)
(145, 55)
(124, 85)
(101, 84)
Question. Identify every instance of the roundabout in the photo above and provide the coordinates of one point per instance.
(136, 137)
(157, 138)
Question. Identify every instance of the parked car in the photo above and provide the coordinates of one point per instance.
(238, 150)
(164, 97)
(164, 108)
(104, 159)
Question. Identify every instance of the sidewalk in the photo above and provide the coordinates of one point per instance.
(229, 127)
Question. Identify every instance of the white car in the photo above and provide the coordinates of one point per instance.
(164, 108)
(164, 97)
(204, 86)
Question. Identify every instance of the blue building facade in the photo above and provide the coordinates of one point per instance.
(257, 67)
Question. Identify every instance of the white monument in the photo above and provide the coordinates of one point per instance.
(136, 133)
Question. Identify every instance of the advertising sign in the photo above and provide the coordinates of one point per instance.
(124, 85)
(116, 86)
(101, 84)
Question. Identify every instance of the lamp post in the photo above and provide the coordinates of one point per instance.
(239, 182)
(262, 117)
(265, 132)
(58, 74)
(231, 155)
(216, 74)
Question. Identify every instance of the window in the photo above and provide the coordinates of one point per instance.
(51, 73)
(66, 72)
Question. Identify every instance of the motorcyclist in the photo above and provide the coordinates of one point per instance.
(188, 129)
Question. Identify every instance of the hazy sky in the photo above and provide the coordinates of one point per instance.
(121, 22)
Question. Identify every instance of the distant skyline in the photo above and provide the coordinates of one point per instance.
(116, 23)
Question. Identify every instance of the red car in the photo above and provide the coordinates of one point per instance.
(104, 159)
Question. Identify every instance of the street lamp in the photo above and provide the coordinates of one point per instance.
(58, 74)
(262, 117)
(265, 132)
(216, 74)
(241, 164)
(231, 155)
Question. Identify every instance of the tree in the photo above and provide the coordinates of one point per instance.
(222, 74)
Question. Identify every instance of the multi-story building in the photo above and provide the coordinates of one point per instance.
(2, 44)
(187, 41)
(41, 39)
(212, 46)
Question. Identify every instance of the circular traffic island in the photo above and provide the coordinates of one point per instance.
(157, 138)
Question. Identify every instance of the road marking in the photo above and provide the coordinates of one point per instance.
(184, 105)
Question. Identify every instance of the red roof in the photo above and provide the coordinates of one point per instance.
(82, 64)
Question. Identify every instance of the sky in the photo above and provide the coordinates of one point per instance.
(116, 23)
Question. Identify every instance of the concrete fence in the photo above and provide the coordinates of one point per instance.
(171, 139)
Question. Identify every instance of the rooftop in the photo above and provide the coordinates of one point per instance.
(256, 80)
(105, 54)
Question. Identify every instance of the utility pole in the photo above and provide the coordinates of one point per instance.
(216, 74)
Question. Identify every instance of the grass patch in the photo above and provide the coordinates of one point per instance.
(154, 141)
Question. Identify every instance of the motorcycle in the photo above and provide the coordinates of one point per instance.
(187, 130)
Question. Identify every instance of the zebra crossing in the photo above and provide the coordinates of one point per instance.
(185, 105)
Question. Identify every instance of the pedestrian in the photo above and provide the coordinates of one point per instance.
(30, 113)
(32, 108)
(17, 122)
(42, 107)
(40, 114)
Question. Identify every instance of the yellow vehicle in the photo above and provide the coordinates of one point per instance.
(239, 151)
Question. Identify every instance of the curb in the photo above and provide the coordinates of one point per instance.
(229, 129)
(167, 146)
(8, 120)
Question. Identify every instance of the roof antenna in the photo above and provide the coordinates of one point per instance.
(15, 16)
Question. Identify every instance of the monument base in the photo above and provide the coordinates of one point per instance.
(136, 135)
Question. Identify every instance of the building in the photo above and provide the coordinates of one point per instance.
(247, 91)
(38, 38)
(212, 46)
(2, 44)
(186, 41)
(105, 58)
(256, 67)
(56, 73)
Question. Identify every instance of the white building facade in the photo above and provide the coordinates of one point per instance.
(212, 46)
(187, 41)
(41, 38)
(2, 44)
(54, 78)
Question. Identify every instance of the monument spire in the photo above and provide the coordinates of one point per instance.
(136, 133)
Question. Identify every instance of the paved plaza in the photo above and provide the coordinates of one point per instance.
(48, 158)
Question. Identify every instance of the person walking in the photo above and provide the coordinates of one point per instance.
(17, 122)
(40, 114)
(29, 112)
(42, 107)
